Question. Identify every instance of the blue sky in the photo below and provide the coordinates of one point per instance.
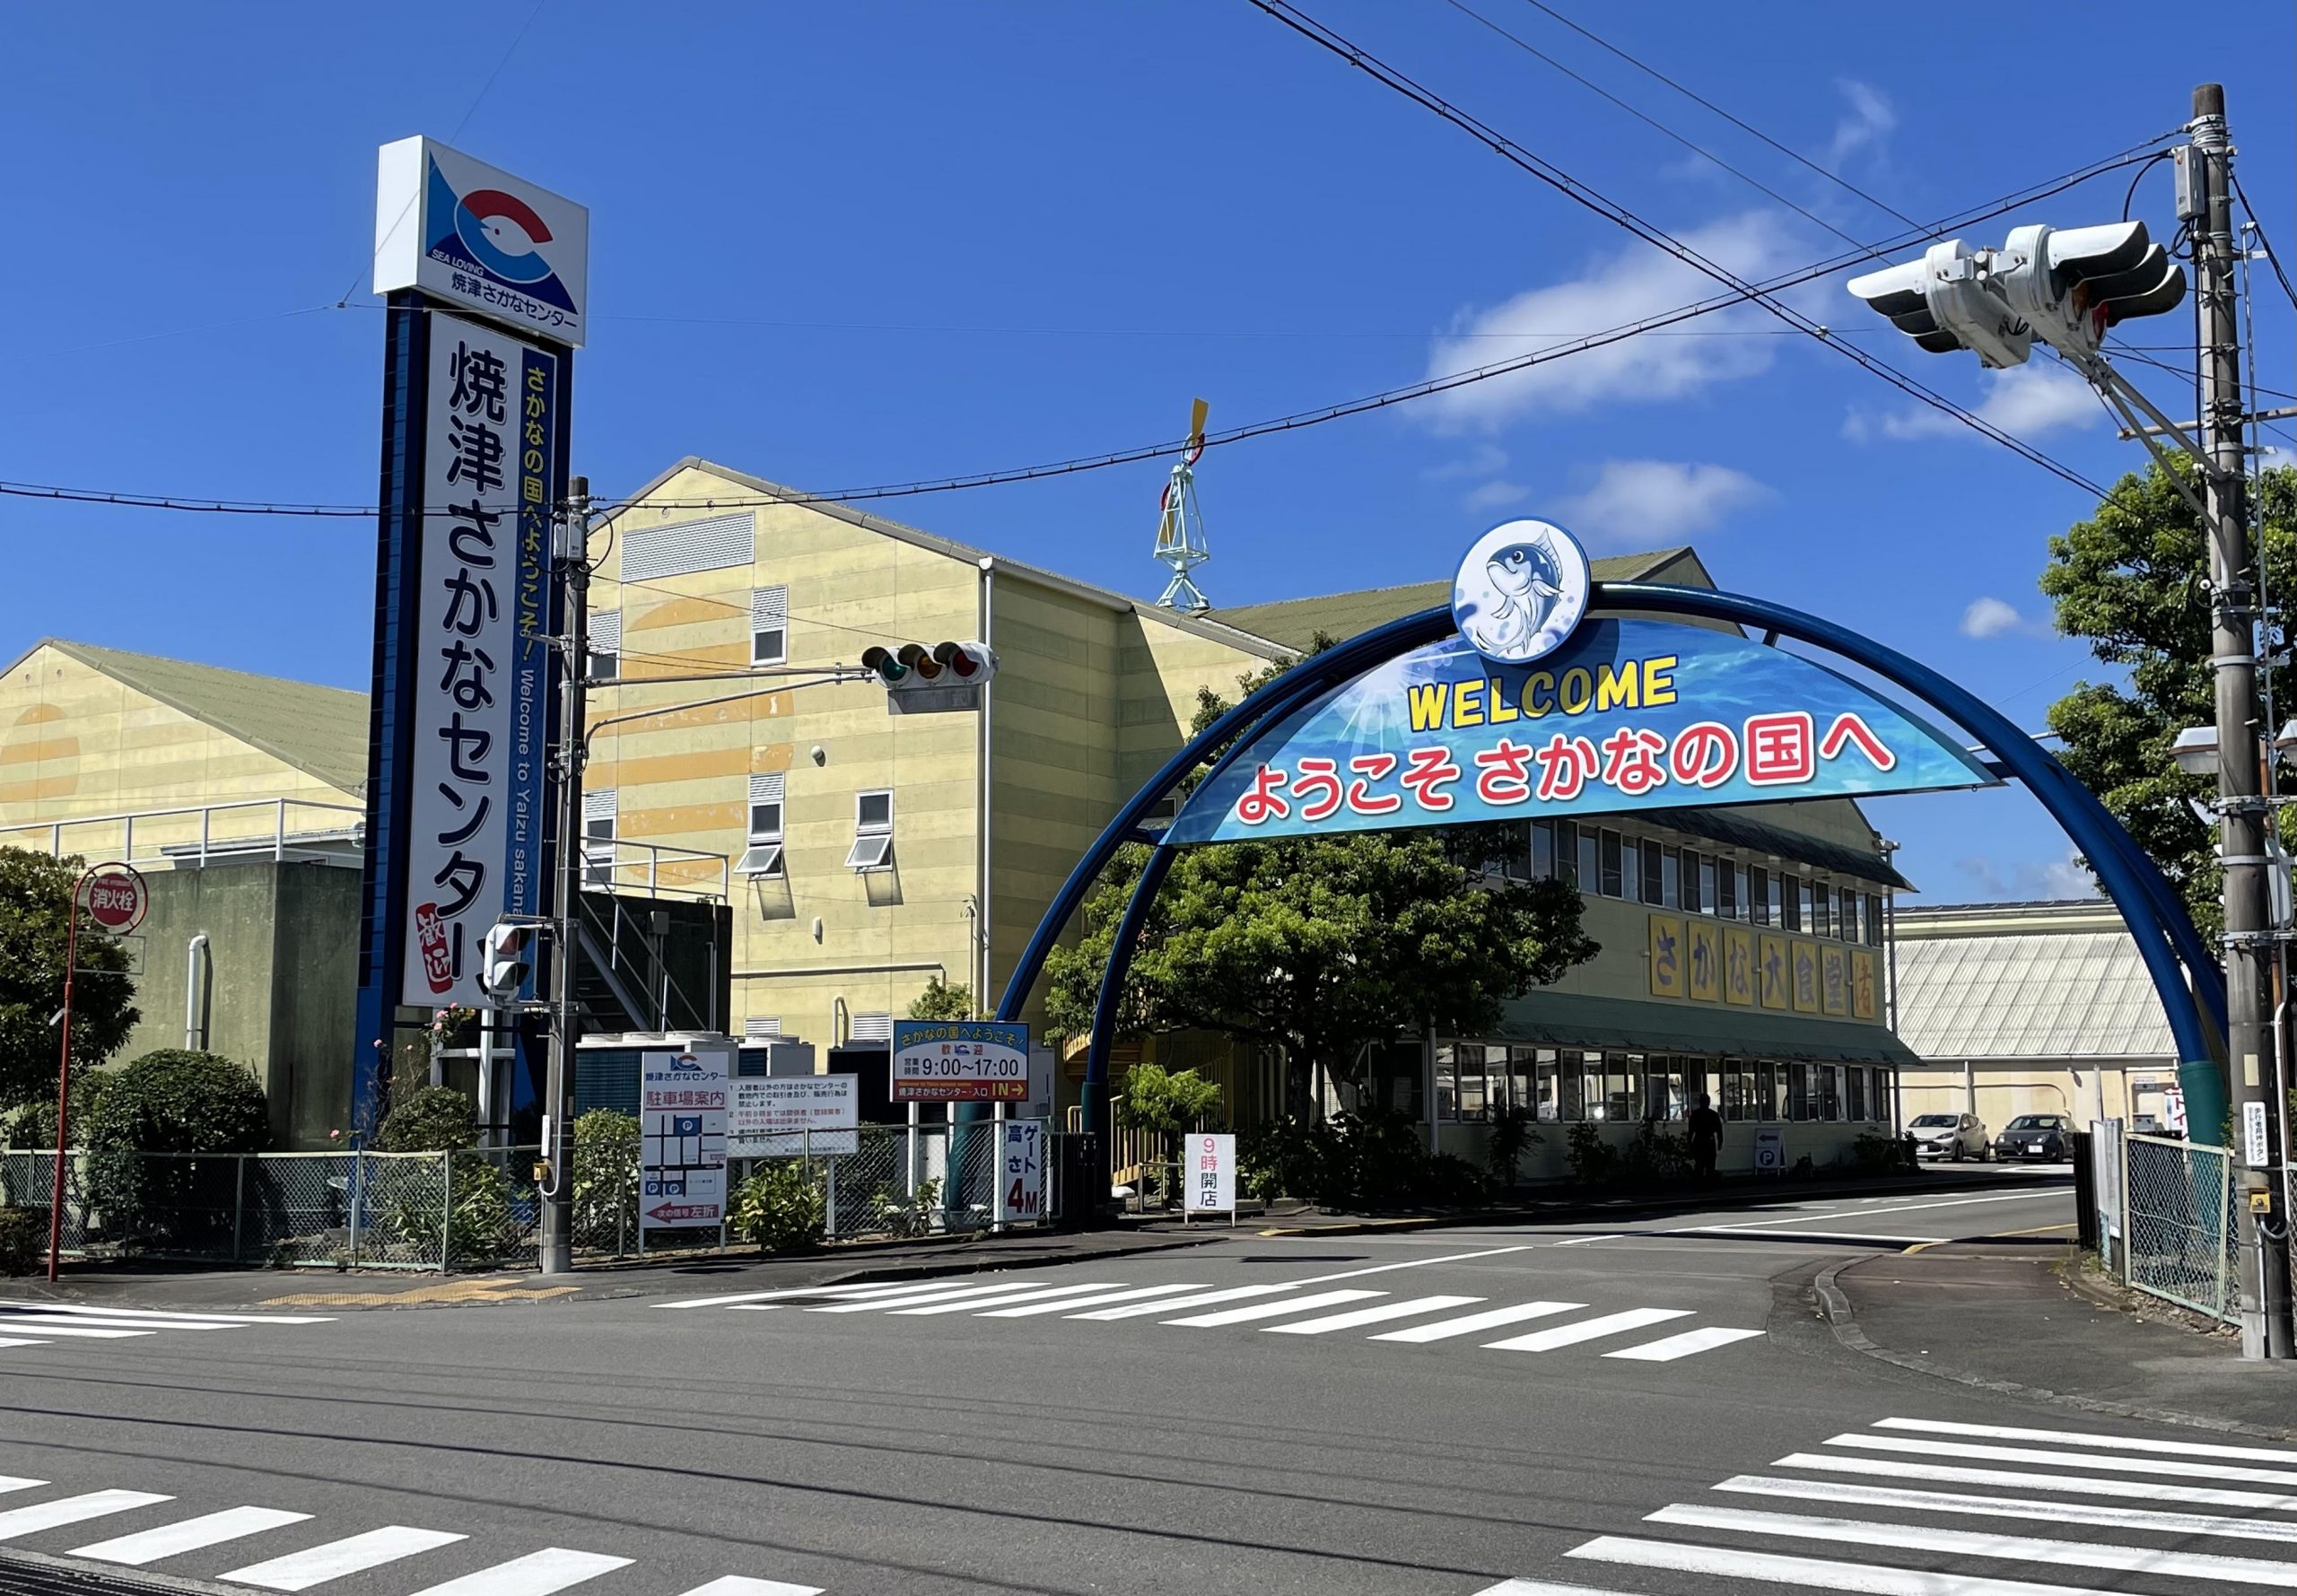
(871, 242)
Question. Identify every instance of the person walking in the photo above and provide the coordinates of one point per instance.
(1706, 1135)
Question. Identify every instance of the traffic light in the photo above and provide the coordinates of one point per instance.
(921, 677)
(1950, 298)
(2073, 283)
(508, 959)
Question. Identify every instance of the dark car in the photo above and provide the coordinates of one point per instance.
(2031, 1137)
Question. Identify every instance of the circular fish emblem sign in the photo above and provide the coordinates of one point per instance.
(1521, 590)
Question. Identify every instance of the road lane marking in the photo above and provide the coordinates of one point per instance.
(2028, 1454)
(537, 1573)
(1416, 1263)
(1586, 1329)
(19, 1341)
(52, 1327)
(1016, 1295)
(1971, 1543)
(1445, 1329)
(2190, 1449)
(873, 1287)
(162, 1317)
(1541, 1587)
(1867, 1579)
(1753, 1234)
(1203, 1299)
(1907, 1208)
(86, 1332)
(354, 1554)
(1291, 1304)
(943, 1293)
(211, 1528)
(72, 1510)
(1947, 1474)
(2010, 1507)
(11, 1482)
(736, 1584)
(1133, 1295)
(1581, 1241)
(1377, 1315)
(1668, 1348)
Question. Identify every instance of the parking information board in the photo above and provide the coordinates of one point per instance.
(682, 1123)
(960, 1061)
(1210, 1177)
(786, 1116)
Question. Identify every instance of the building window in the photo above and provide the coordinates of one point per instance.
(602, 646)
(1793, 895)
(1739, 1099)
(1830, 1092)
(873, 831)
(1769, 1086)
(1874, 920)
(1663, 1088)
(1698, 882)
(763, 856)
(1759, 895)
(1730, 887)
(1671, 876)
(1847, 928)
(1612, 877)
(872, 1027)
(1590, 878)
(769, 625)
(598, 809)
(1542, 850)
(1818, 898)
(1855, 1103)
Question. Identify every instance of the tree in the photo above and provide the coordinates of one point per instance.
(2133, 581)
(1321, 946)
(35, 908)
(941, 1001)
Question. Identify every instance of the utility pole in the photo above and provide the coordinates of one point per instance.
(557, 1189)
(2243, 809)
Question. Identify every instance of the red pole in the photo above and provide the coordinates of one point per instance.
(63, 1082)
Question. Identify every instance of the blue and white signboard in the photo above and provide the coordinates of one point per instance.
(470, 234)
(1603, 717)
(682, 1124)
(960, 1061)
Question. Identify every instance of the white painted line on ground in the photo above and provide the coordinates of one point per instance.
(86, 1332)
(1291, 1304)
(875, 1286)
(537, 1573)
(64, 1327)
(943, 1291)
(1445, 1329)
(1866, 1579)
(2164, 1467)
(353, 1554)
(1586, 1329)
(11, 1482)
(1668, 1348)
(1379, 1314)
(736, 1584)
(1134, 1294)
(1753, 1234)
(1417, 1263)
(1581, 1241)
(2187, 1449)
(1541, 1587)
(1904, 1207)
(1232, 1293)
(1972, 1543)
(2136, 1490)
(19, 1341)
(211, 1528)
(2012, 1507)
(164, 1316)
(1017, 1294)
(70, 1510)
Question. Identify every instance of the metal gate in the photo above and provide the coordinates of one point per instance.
(2178, 1234)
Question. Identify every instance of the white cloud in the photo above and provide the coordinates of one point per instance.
(1648, 503)
(1496, 495)
(2024, 401)
(1988, 617)
(1866, 125)
(2028, 880)
(1617, 289)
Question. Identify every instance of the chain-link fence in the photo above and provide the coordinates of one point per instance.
(2177, 1237)
(27, 1181)
(926, 1180)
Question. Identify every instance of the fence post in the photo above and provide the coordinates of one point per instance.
(239, 1201)
(355, 1198)
(2225, 1226)
(2128, 1222)
(446, 1213)
(829, 1201)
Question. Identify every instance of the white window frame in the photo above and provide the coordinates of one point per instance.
(602, 647)
(873, 841)
(601, 808)
(762, 856)
(770, 617)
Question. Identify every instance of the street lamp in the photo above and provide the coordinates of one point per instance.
(2196, 750)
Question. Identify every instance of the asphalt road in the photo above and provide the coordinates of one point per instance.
(1441, 1412)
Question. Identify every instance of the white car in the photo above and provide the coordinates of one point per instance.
(1949, 1136)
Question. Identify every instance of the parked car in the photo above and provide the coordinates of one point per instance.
(1949, 1136)
(2031, 1137)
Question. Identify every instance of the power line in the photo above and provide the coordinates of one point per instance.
(1572, 188)
(2265, 243)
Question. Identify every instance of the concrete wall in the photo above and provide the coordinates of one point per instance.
(1999, 1090)
(282, 982)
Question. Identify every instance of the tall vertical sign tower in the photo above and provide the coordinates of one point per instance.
(483, 279)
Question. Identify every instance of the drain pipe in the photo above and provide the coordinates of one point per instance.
(194, 995)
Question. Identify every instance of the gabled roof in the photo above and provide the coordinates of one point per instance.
(2039, 995)
(321, 731)
(1295, 622)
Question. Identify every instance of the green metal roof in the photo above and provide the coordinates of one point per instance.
(1642, 1024)
(319, 730)
(1295, 622)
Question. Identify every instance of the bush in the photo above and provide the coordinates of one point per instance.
(174, 1101)
(34, 1125)
(1873, 1155)
(1373, 1160)
(1655, 1157)
(900, 1214)
(1595, 1163)
(605, 1176)
(429, 1120)
(1512, 1132)
(782, 1208)
(23, 1239)
(1169, 1104)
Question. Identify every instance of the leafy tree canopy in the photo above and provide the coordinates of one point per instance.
(2133, 581)
(1322, 945)
(35, 909)
(941, 1001)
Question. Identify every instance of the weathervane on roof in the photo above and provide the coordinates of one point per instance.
(1180, 524)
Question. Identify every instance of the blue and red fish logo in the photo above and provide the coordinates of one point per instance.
(493, 235)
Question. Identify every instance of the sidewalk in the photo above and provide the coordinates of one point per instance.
(2020, 1316)
(170, 1285)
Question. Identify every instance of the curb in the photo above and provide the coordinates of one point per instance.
(1844, 1322)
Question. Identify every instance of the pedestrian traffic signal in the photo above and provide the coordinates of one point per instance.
(2073, 283)
(508, 960)
(1950, 298)
(907, 668)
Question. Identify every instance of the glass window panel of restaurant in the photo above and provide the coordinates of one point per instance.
(1630, 870)
(1671, 877)
(1547, 1086)
(1654, 873)
(1874, 920)
(1739, 1099)
(1698, 882)
(1819, 899)
(1611, 863)
(1772, 899)
(1800, 1098)
(1662, 1084)
(1570, 1081)
(1522, 1080)
(1854, 1095)
(1473, 1094)
(1447, 1081)
(1621, 1081)
(1730, 887)
(1769, 1084)
(1542, 850)
(1590, 875)
(1830, 1092)
(1847, 928)
(1794, 902)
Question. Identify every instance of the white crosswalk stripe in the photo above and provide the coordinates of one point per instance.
(169, 1541)
(537, 1573)
(1274, 1307)
(19, 1521)
(66, 1326)
(2080, 1500)
(353, 1554)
